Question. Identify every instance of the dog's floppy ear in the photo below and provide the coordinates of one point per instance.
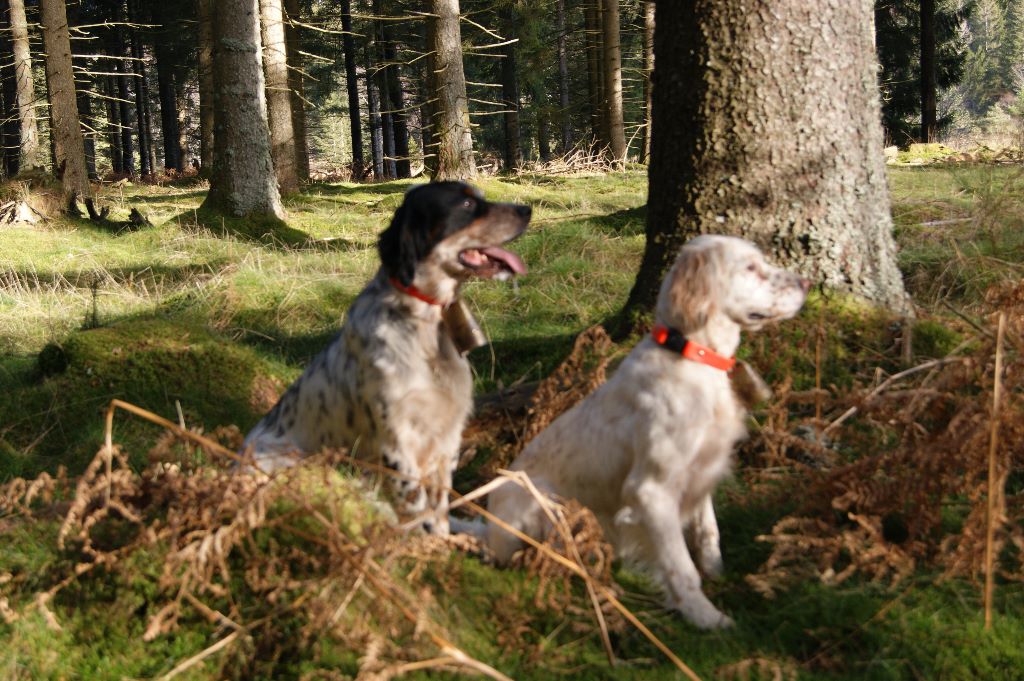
(403, 244)
(686, 299)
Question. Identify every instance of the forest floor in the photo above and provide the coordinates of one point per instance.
(206, 327)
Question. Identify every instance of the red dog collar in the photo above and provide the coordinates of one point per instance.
(414, 292)
(671, 339)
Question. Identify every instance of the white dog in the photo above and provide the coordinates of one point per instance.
(646, 450)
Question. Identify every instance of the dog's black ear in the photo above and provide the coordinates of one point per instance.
(402, 244)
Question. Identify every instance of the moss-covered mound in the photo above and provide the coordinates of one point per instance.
(153, 363)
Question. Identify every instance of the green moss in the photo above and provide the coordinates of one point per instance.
(156, 364)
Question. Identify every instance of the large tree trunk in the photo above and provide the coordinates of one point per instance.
(297, 87)
(563, 81)
(613, 80)
(243, 181)
(451, 130)
(352, 86)
(929, 124)
(206, 8)
(279, 100)
(645, 140)
(510, 93)
(764, 154)
(28, 155)
(66, 132)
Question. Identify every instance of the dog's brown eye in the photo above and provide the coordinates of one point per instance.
(468, 204)
(751, 267)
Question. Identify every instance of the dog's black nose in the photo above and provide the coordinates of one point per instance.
(524, 212)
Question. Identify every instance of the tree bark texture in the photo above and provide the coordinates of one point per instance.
(510, 92)
(28, 155)
(206, 8)
(243, 181)
(563, 80)
(451, 120)
(612, 41)
(279, 100)
(296, 87)
(66, 132)
(645, 140)
(765, 154)
(929, 124)
(352, 87)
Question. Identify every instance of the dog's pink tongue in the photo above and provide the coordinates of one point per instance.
(513, 261)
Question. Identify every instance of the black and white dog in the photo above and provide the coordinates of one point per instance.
(394, 386)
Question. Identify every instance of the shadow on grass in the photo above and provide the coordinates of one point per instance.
(626, 222)
(379, 189)
(166, 198)
(147, 275)
(266, 230)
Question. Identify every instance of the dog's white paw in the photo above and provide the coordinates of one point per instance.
(705, 616)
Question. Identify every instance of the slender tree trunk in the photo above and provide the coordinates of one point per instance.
(181, 93)
(113, 125)
(376, 132)
(595, 70)
(66, 132)
(543, 125)
(243, 181)
(279, 100)
(124, 97)
(563, 81)
(510, 92)
(929, 124)
(451, 123)
(10, 131)
(84, 102)
(352, 86)
(396, 102)
(817, 201)
(145, 139)
(645, 140)
(613, 80)
(168, 108)
(28, 156)
(297, 87)
(206, 10)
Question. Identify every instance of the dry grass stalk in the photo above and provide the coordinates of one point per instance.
(992, 492)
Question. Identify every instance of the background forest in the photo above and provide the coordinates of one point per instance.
(191, 197)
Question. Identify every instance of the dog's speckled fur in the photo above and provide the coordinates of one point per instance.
(392, 386)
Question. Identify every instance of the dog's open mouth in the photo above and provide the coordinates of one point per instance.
(492, 262)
